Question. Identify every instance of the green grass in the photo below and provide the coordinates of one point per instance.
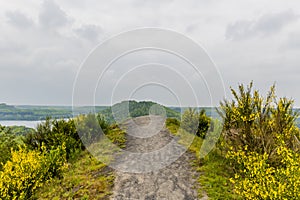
(86, 177)
(214, 170)
(214, 179)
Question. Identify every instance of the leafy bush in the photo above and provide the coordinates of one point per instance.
(54, 133)
(28, 170)
(261, 142)
(196, 122)
(263, 124)
(255, 178)
(173, 125)
(190, 120)
(91, 127)
(8, 141)
(204, 124)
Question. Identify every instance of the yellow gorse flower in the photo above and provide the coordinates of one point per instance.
(27, 171)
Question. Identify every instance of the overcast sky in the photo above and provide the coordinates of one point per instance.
(43, 43)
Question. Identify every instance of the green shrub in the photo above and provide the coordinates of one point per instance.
(260, 139)
(8, 141)
(91, 127)
(263, 124)
(190, 120)
(204, 124)
(256, 178)
(195, 122)
(54, 133)
(172, 124)
(28, 170)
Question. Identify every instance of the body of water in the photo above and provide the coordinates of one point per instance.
(30, 124)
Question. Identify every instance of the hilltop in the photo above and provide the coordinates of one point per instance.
(127, 109)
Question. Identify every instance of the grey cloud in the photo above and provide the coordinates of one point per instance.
(292, 42)
(192, 27)
(52, 15)
(19, 19)
(89, 32)
(39, 65)
(265, 25)
(151, 3)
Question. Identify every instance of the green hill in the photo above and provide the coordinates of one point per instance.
(126, 109)
(32, 112)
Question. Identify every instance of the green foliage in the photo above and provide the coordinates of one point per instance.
(86, 178)
(173, 125)
(196, 122)
(204, 124)
(8, 141)
(28, 170)
(262, 124)
(190, 120)
(9, 112)
(215, 176)
(214, 168)
(135, 109)
(54, 133)
(44, 159)
(116, 135)
(91, 127)
(261, 143)
(20, 130)
(256, 178)
(54, 161)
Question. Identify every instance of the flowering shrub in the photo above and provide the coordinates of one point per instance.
(260, 123)
(28, 170)
(260, 139)
(255, 178)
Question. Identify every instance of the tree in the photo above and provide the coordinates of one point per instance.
(190, 120)
(204, 124)
(195, 122)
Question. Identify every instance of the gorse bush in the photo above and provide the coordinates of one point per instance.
(8, 141)
(45, 152)
(256, 178)
(260, 139)
(30, 169)
(263, 124)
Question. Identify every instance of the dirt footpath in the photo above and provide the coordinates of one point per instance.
(138, 177)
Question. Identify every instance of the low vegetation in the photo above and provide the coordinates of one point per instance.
(51, 162)
(214, 171)
(257, 154)
(261, 141)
